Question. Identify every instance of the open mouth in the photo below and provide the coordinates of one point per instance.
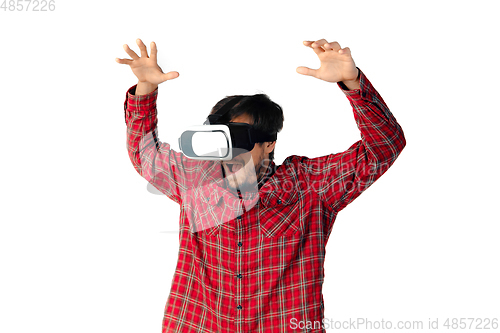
(233, 167)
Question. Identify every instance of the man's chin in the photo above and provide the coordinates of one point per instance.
(244, 187)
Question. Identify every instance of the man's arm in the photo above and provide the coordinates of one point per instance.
(340, 178)
(155, 161)
(152, 159)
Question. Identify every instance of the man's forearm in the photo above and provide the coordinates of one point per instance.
(144, 88)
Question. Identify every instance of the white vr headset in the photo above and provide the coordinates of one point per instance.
(215, 140)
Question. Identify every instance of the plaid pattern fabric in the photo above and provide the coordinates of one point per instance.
(254, 262)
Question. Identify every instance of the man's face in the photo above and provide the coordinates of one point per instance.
(243, 170)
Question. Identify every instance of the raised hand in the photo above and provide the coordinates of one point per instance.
(336, 62)
(146, 68)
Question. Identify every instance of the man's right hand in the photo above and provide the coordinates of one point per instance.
(146, 68)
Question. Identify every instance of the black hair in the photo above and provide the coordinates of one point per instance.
(266, 115)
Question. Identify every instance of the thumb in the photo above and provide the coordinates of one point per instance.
(169, 76)
(306, 71)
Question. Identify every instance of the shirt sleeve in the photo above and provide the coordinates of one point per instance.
(154, 160)
(340, 178)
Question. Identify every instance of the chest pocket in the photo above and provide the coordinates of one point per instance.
(280, 214)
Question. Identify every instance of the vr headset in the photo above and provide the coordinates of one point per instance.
(215, 140)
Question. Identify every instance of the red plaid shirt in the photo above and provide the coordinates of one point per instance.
(254, 262)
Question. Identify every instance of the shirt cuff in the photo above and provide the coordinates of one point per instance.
(142, 104)
(364, 91)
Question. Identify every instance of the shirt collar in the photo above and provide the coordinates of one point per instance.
(271, 168)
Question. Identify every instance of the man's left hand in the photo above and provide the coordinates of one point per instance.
(336, 62)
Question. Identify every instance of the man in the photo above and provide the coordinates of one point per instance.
(258, 269)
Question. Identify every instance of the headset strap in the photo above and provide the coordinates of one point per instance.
(256, 135)
(259, 136)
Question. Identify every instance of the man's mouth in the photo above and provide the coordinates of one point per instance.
(233, 167)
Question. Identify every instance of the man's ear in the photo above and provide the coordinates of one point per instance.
(269, 146)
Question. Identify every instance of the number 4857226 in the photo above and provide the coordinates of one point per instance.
(26, 5)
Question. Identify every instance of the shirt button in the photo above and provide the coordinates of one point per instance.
(239, 307)
(279, 202)
(240, 244)
(238, 276)
(239, 217)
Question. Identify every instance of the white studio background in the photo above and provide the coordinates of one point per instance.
(85, 247)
